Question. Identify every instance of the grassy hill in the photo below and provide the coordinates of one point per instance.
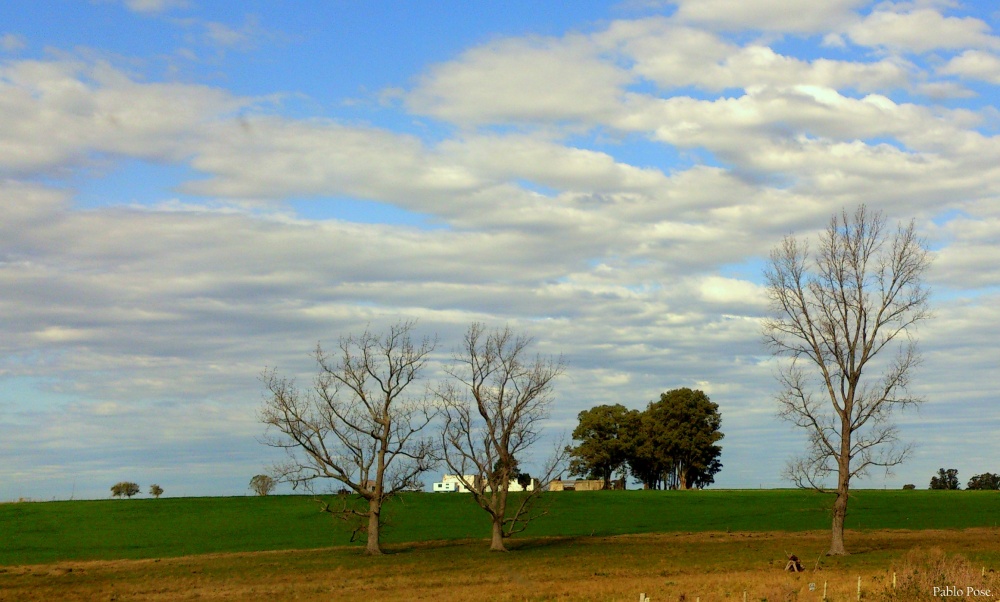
(146, 528)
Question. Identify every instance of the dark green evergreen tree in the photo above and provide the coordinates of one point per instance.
(987, 480)
(690, 425)
(945, 479)
(604, 442)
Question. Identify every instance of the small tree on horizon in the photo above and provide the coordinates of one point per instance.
(155, 490)
(262, 484)
(124, 489)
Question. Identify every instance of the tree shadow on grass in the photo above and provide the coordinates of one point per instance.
(538, 543)
(409, 547)
(516, 545)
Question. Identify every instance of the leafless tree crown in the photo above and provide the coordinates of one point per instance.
(495, 406)
(359, 423)
(859, 295)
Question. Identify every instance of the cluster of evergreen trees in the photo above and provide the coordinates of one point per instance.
(948, 479)
(670, 445)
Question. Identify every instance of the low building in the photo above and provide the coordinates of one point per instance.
(451, 483)
(584, 484)
(454, 484)
(515, 486)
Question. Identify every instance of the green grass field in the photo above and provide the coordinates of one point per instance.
(42, 532)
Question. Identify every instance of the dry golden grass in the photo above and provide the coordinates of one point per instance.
(705, 566)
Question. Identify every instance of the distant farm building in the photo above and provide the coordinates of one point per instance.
(454, 484)
(584, 485)
(532, 485)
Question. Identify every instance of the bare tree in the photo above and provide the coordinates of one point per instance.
(858, 296)
(493, 412)
(262, 484)
(359, 423)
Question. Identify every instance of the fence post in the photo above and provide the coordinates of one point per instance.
(859, 587)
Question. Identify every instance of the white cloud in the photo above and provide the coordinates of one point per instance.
(788, 132)
(663, 51)
(971, 257)
(732, 292)
(974, 64)
(776, 113)
(834, 40)
(155, 6)
(584, 79)
(54, 114)
(522, 80)
(613, 194)
(944, 90)
(548, 163)
(12, 42)
(675, 63)
(276, 158)
(768, 15)
(224, 36)
(921, 30)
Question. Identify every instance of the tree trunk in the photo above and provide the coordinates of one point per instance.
(496, 544)
(500, 511)
(840, 505)
(375, 502)
(843, 482)
(837, 534)
(374, 512)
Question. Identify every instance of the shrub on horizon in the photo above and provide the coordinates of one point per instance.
(124, 488)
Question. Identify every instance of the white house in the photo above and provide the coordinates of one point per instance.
(452, 483)
(446, 487)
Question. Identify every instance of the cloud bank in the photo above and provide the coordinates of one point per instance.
(612, 191)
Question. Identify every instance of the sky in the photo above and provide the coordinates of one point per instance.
(192, 192)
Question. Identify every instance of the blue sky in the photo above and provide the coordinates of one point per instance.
(192, 191)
